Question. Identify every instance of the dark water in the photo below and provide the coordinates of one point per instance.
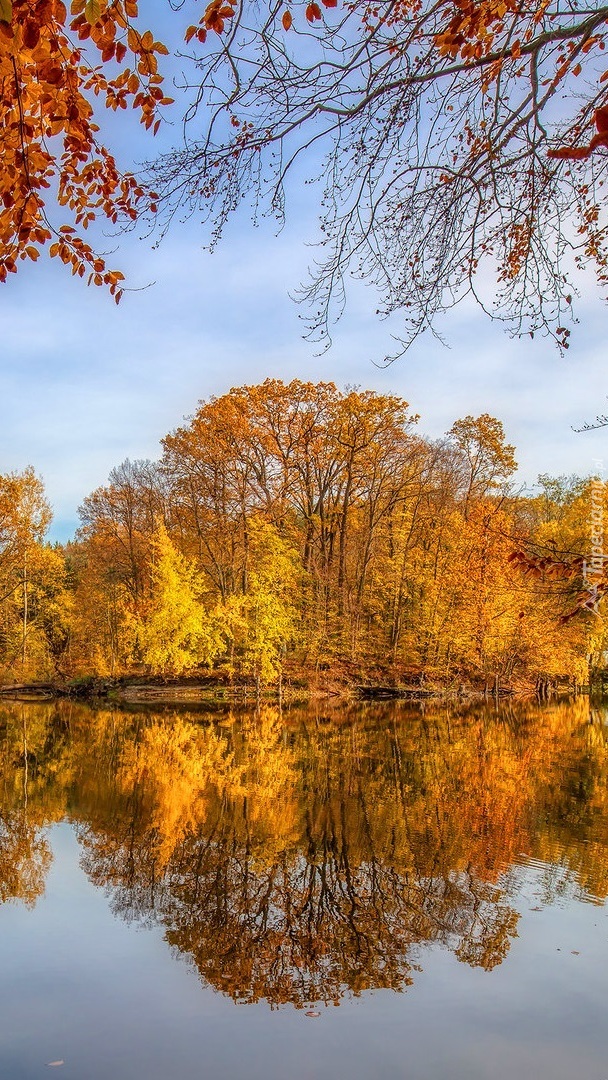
(373, 892)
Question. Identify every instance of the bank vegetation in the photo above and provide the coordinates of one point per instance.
(304, 536)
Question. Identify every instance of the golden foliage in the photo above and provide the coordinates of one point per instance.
(176, 633)
(53, 66)
(295, 529)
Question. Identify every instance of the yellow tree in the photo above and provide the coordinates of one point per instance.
(264, 619)
(24, 518)
(487, 460)
(177, 633)
(41, 613)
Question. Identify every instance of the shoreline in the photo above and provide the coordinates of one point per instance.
(213, 692)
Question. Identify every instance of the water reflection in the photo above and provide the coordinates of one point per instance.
(297, 858)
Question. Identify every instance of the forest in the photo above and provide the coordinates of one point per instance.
(300, 534)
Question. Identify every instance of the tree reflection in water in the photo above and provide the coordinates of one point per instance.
(297, 858)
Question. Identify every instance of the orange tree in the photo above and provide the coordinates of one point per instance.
(457, 141)
(57, 176)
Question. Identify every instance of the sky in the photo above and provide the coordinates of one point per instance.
(85, 384)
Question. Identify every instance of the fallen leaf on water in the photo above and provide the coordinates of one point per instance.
(575, 952)
(53, 1064)
(312, 1012)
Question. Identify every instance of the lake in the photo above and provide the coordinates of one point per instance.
(357, 891)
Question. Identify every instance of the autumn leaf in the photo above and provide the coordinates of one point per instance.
(601, 120)
(579, 153)
(92, 11)
(6, 11)
(313, 12)
(31, 35)
(287, 20)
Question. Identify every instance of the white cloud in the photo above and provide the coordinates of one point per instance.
(84, 384)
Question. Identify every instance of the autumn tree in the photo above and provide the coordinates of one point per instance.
(24, 518)
(118, 521)
(58, 177)
(323, 466)
(110, 566)
(207, 463)
(487, 460)
(43, 616)
(305, 524)
(177, 632)
(263, 619)
(24, 513)
(555, 551)
(452, 141)
(456, 143)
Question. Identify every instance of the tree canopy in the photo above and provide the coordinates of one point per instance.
(57, 176)
(456, 142)
(460, 142)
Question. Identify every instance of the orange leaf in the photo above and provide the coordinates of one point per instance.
(287, 20)
(570, 153)
(31, 35)
(92, 11)
(313, 11)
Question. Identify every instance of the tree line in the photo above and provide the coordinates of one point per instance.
(294, 529)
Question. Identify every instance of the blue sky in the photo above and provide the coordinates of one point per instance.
(85, 384)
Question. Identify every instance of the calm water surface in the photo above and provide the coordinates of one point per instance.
(368, 893)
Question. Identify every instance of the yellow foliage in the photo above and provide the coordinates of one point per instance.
(176, 633)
